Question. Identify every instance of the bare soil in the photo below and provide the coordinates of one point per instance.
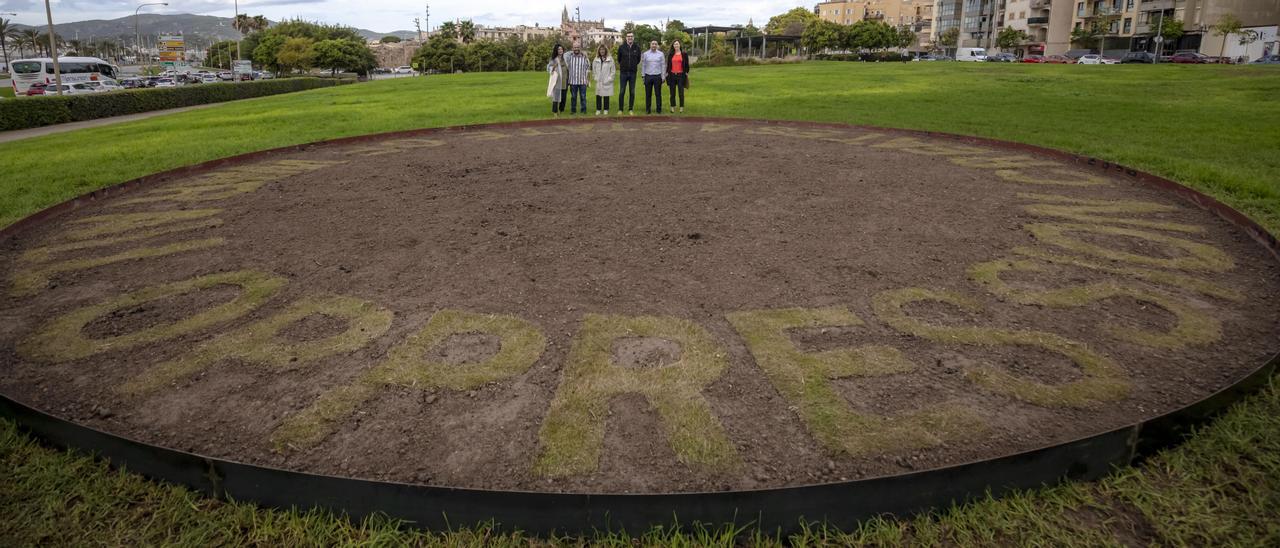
(627, 219)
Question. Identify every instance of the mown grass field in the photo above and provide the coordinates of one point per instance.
(1214, 128)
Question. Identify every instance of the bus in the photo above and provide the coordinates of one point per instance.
(74, 70)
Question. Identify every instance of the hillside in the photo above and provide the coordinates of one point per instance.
(200, 30)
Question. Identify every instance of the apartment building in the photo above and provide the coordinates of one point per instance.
(897, 13)
(1198, 18)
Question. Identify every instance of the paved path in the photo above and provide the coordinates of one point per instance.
(17, 134)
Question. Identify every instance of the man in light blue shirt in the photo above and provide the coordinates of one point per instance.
(654, 65)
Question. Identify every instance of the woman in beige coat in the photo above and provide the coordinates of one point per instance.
(602, 69)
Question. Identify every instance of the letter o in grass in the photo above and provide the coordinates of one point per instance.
(63, 339)
(1197, 256)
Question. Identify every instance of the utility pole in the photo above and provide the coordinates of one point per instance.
(53, 47)
(237, 20)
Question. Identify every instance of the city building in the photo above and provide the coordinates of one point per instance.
(523, 32)
(589, 31)
(915, 15)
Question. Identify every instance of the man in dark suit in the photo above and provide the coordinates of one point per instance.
(628, 61)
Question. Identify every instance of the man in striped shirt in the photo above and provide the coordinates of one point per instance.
(579, 65)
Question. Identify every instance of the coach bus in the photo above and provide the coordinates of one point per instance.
(74, 70)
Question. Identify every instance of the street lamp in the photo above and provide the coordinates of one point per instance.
(136, 34)
(53, 47)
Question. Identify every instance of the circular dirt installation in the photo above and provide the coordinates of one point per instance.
(631, 307)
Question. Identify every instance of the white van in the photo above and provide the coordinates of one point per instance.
(971, 54)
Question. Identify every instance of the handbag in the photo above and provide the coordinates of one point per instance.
(553, 91)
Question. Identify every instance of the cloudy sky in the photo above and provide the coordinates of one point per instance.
(389, 15)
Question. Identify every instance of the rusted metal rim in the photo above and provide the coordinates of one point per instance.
(841, 504)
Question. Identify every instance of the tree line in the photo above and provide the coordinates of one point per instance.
(295, 45)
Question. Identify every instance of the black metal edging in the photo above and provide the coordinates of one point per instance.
(842, 505)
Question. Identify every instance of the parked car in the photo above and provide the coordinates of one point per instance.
(132, 83)
(226, 76)
(1003, 57)
(1033, 58)
(67, 89)
(267, 75)
(1268, 60)
(404, 70)
(1060, 60)
(208, 78)
(1190, 58)
(1138, 57)
(36, 89)
(1089, 59)
(166, 83)
(1077, 53)
(246, 77)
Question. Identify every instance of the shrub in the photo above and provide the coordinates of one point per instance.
(29, 112)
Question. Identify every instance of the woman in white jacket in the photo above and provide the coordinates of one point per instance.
(602, 69)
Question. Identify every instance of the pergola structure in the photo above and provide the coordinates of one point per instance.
(754, 46)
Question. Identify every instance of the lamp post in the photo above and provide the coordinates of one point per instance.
(53, 47)
(137, 35)
(234, 22)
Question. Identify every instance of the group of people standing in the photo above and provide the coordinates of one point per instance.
(571, 71)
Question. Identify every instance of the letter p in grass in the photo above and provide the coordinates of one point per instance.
(573, 433)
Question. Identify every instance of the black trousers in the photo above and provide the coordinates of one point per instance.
(675, 82)
(558, 106)
(627, 83)
(605, 98)
(652, 87)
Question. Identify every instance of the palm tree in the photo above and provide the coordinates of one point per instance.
(467, 31)
(5, 30)
(76, 47)
(31, 37)
(449, 28)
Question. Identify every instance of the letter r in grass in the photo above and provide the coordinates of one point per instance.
(804, 379)
(573, 432)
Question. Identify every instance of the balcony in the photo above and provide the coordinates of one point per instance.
(1040, 4)
(1037, 21)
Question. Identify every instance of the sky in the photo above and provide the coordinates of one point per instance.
(391, 15)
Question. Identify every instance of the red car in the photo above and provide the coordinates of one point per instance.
(1190, 58)
(1060, 60)
(36, 89)
(1033, 59)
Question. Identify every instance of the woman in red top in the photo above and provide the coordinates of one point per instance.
(677, 73)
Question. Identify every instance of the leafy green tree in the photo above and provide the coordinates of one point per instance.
(675, 24)
(344, 54)
(264, 54)
(905, 38)
(821, 35)
(389, 39)
(1227, 25)
(720, 53)
(792, 23)
(442, 52)
(489, 55)
(538, 51)
(1170, 28)
(949, 37)
(1010, 38)
(750, 31)
(672, 35)
(646, 34)
(1095, 29)
(296, 54)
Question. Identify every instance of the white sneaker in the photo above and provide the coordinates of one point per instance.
(673, 110)
(681, 109)
(597, 113)
(631, 113)
(606, 113)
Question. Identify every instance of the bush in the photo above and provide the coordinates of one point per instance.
(29, 112)
(879, 56)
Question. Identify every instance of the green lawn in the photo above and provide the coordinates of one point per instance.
(1215, 128)
(6, 92)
